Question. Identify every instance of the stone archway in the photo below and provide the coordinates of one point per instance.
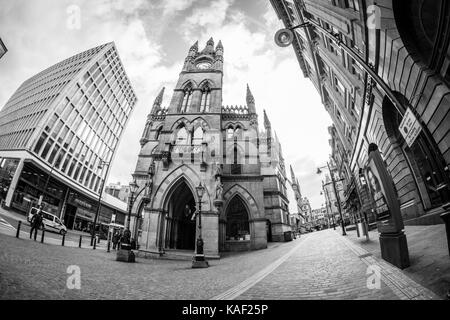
(423, 158)
(237, 221)
(180, 227)
(424, 26)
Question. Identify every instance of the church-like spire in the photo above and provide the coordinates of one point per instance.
(209, 49)
(157, 104)
(250, 98)
(293, 176)
(194, 47)
(219, 46)
(250, 101)
(267, 124)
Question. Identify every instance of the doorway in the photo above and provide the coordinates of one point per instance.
(180, 225)
(69, 216)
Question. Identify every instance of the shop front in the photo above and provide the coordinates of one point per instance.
(76, 210)
(8, 167)
(34, 182)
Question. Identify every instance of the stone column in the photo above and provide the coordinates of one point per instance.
(222, 234)
(210, 233)
(150, 230)
(258, 234)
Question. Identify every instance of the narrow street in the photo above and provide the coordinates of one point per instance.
(319, 265)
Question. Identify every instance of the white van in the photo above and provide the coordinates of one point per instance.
(51, 222)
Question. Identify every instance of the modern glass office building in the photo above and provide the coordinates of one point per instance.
(59, 129)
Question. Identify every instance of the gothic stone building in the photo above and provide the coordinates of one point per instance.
(196, 140)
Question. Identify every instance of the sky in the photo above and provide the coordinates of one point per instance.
(153, 38)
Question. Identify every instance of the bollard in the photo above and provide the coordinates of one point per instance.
(109, 246)
(79, 244)
(95, 242)
(18, 229)
(43, 235)
(63, 239)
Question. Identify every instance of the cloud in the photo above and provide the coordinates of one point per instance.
(175, 6)
(139, 29)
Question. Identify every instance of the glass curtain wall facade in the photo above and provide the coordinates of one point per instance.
(70, 117)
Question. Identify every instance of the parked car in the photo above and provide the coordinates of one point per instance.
(51, 222)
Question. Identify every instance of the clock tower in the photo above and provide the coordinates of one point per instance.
(199, 86)
(196, 140)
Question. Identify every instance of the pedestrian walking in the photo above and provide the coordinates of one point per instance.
(36, 222)
(115, 240)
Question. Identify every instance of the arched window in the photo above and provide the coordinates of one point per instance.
(182, 136)
(158, 133)
(236, 167)
(230, 132)
(187, 99)
(206, 99)
(423, 156)
(237, 220)
(238, 133)
(423, 26)
(198, 136)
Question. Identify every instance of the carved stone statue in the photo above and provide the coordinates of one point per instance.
(219, 189)
(217, 170)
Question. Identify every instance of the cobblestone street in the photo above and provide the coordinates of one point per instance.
(320, 265)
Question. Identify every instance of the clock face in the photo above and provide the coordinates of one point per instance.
(203, 65)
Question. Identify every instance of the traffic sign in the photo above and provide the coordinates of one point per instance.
(410, 127)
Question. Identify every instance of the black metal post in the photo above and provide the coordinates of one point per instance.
(95, 243)
(79, 243)
(109, 246)
(337, 200)
(63, 239)
(199, 240)
(18, 229)
(99, 203)
(43, 235)
(48, 179)
(129, 210)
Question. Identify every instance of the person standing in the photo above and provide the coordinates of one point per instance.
(36, 222)
(115, 240)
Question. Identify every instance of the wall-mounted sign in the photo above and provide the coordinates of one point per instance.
(410, 127)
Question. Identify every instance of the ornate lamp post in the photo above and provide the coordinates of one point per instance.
(337, 196)
(133, 188)
(199, 260)
(100, 166)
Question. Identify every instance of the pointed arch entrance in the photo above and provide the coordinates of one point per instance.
(237, 225)
(180, 227)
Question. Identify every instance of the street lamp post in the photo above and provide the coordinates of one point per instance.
(199, 260)
(133, 188)
(100, 166)
(337, 196)
(328, 203)
(41, 197)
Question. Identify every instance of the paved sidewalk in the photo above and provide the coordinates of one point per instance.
(319, 265)
(8, 225)
(324, 267)
(428, 253)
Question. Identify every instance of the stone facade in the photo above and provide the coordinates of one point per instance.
(197, 140)
(371, 63)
